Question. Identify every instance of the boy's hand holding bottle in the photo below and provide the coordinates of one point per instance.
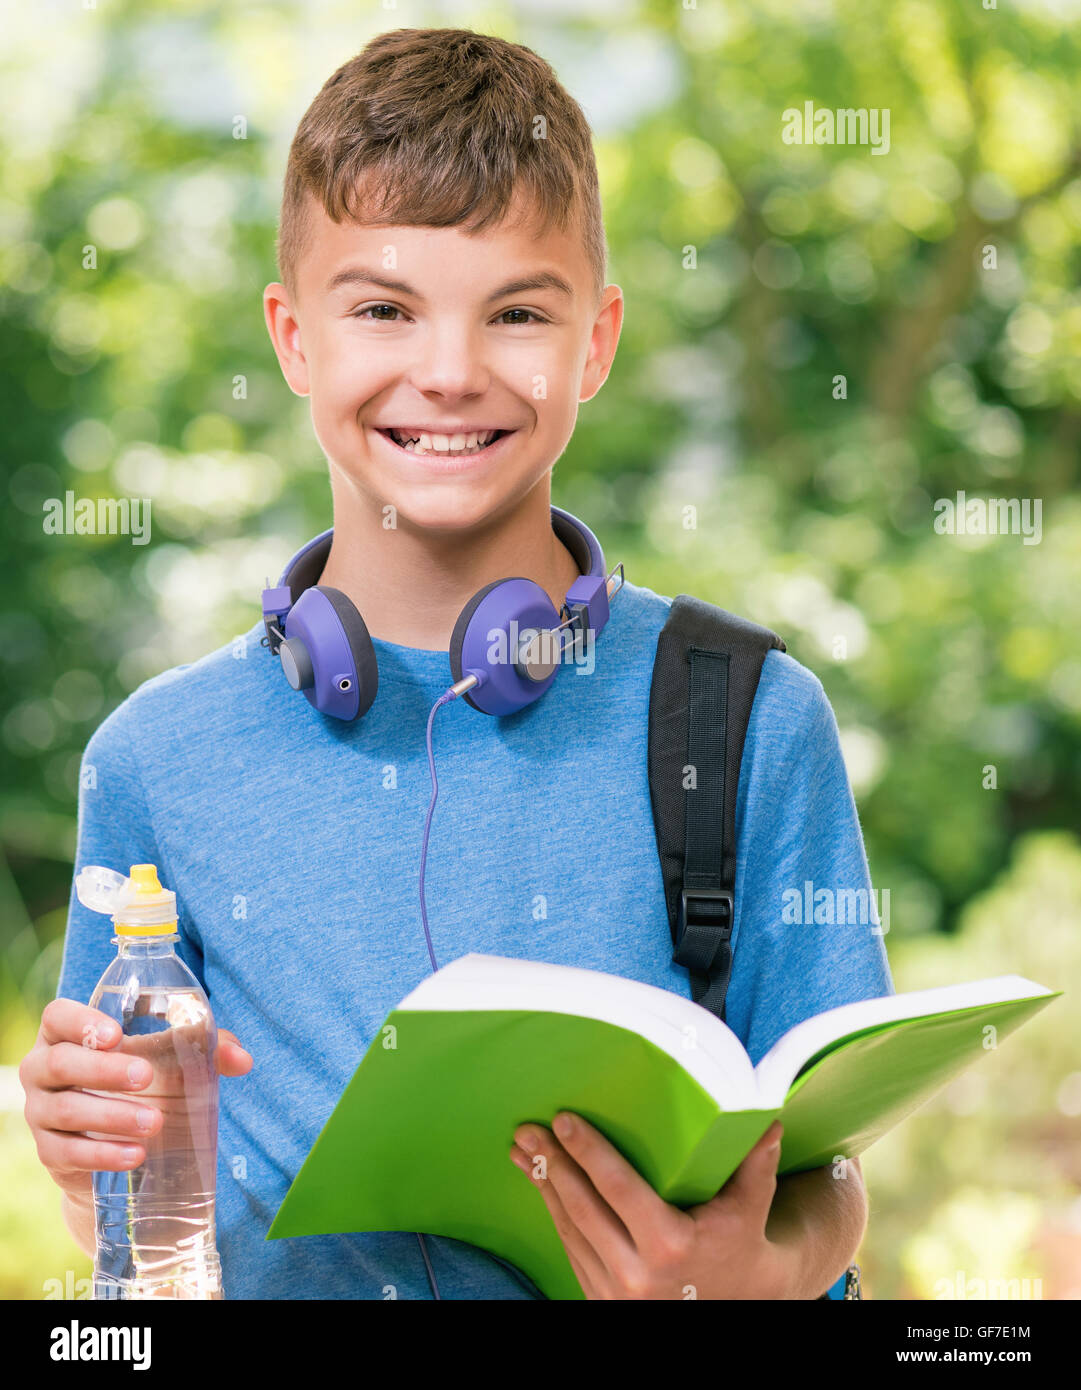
(142, 1168)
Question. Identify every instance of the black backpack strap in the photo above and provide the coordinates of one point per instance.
(705, 675)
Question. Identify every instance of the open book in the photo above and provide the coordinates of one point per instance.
(419, 1140)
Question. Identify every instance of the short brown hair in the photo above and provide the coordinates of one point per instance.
(447, 121)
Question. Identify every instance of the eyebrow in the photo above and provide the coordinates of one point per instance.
(360, 275)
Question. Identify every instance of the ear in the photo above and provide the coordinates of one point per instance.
(603, 342)
(284, 330)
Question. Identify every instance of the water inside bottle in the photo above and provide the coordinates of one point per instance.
(155, 1223)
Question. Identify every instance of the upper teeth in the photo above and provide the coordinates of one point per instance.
(443, 443)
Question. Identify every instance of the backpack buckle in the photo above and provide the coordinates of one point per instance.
(703, 926)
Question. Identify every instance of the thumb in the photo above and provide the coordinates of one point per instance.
(233, 1059)
(754, 1182)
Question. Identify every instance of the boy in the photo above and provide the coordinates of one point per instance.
(443, 275)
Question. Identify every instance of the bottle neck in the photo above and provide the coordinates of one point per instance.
(145, 947)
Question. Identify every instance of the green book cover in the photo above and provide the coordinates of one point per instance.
(419, 1140)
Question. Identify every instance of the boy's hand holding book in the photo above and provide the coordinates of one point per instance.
(625, 1242)
(669, 1185)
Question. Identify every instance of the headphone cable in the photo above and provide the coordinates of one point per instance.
(451, 694)
(447, 696)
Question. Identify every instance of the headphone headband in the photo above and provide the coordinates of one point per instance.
(303, 570)
(326, 651)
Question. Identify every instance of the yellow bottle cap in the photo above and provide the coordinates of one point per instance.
(145, 908)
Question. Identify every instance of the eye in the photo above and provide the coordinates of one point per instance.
(373, 309)
(529, 314)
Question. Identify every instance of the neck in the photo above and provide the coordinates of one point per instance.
(410, 584)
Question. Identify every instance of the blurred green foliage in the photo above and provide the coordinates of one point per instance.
(938, 280)
(986, 1178)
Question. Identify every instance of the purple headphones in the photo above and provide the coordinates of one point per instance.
(508, 638)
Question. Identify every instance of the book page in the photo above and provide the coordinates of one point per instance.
(807, 1040)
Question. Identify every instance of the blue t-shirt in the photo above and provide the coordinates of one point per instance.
(292, 841)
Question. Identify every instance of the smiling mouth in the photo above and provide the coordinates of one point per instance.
(428, 443)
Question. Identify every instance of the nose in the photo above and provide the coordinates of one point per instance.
(450, 363)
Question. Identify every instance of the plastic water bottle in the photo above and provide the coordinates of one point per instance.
(155, 1223)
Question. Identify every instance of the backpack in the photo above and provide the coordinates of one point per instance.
(705, 676)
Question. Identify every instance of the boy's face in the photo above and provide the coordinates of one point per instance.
(437, 333)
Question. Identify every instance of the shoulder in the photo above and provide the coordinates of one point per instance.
(214, 697)
(639, 613)
(790, 694)
(790, 697)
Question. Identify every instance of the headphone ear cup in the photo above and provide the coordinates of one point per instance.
(329, 645)
(365, 666)
(487, 638)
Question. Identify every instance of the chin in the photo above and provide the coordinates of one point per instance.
(455, 508)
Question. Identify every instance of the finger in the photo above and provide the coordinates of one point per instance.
(163, 1051)
(591, 1275)
(70, 1064)
(66, 1020)
(163, 1048)
(584, 1282)
(76, 1111)
(641, 1212)
(754, 1183)
(768, 1146)
(581, 1201)
(583, 1259)
(72, 1153)
(522, 1161)
(233, 1058)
